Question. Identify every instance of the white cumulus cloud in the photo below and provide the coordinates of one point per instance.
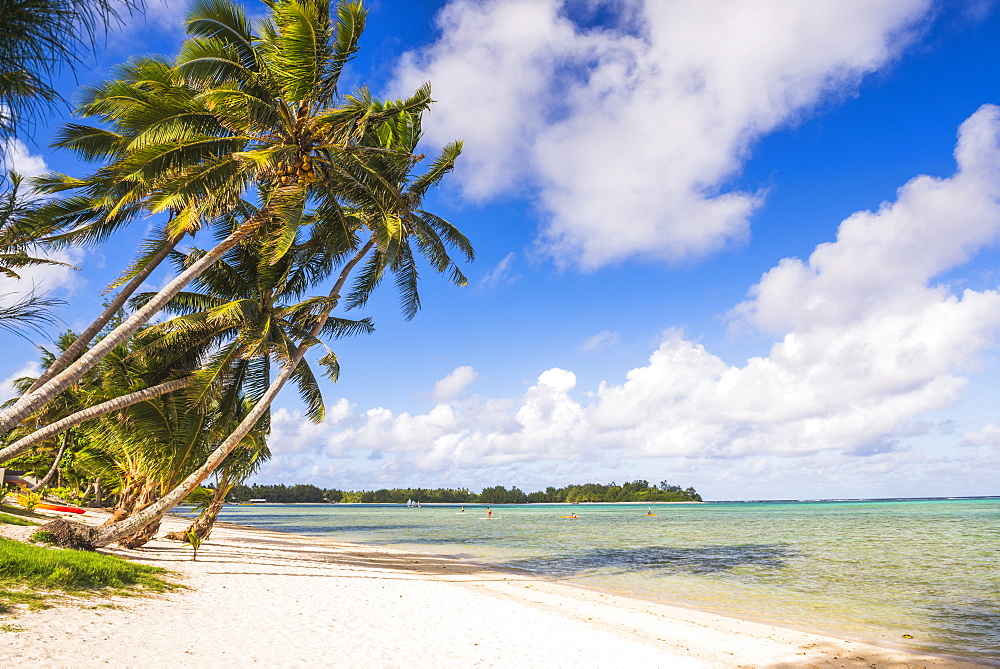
(629, 133)
(7, 390)
(869, 345)
(17, 157)
(988, 436)
(58, 280)
(884, 259)
(454, 384)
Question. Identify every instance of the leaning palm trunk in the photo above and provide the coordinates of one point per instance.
(95, 411)
(79, 345)
(116, 531)
(30, 402)
(203, 524)
(52, 470)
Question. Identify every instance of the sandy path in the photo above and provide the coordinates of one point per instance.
(263, 598)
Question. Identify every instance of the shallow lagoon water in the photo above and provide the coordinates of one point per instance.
(870, 571)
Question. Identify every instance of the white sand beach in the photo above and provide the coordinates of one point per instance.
(263, 598)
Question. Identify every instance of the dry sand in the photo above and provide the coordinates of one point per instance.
(264, 598)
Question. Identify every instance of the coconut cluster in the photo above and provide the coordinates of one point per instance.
(303, 168)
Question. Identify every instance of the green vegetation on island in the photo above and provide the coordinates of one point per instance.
(635, 491)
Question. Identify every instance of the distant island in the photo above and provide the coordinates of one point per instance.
(635, 491)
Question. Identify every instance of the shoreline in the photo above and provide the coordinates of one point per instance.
(281, 599)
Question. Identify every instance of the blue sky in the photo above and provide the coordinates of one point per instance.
(746, 246)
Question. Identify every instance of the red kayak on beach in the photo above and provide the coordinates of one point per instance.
(63, 509)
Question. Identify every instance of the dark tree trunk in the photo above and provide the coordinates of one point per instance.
(205, 521)
(141, 537)
(144, 534)
(126, 503)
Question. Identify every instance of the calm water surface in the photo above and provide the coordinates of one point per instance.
(870, 571)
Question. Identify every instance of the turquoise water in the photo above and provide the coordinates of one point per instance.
(870, 571)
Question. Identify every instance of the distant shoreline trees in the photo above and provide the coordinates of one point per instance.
(635, 491)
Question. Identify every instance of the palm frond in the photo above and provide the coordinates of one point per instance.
(309, 391)
(226, 22)
(441, 166)
(298, 48)
(88, 142)
(366, 281)
(351, 18)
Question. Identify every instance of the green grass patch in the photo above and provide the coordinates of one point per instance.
(43, 537)
(35, 575)
(10, 628)
(15, 520)
(18, 511)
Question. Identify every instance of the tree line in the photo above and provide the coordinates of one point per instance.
(635, 491)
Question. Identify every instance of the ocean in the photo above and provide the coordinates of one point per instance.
(917, 574)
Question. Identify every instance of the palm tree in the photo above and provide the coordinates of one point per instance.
(67, 403)
(248, 312)
(38, 38)
(19, 230)
(165, 439)
(150, 443)
(54, 427)
(145, 96)
(275, 94)
(393, 234)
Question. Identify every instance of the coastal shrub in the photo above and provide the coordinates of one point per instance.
(29, 500)
(43, 537)
(640, 490)
(34, 574)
